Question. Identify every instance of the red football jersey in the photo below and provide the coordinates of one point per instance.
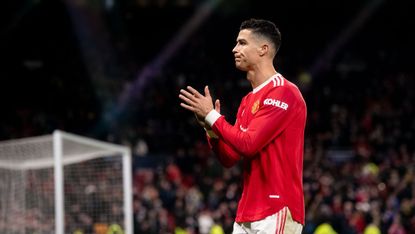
(268, 135)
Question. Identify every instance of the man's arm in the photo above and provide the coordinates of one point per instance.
(226, 155)
(270, 120)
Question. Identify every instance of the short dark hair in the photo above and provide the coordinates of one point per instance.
(264, 28)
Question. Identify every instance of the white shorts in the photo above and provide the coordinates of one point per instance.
(278, 223)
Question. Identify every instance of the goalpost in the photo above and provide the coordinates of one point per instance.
(65, 183)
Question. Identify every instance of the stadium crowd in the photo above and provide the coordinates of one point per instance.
(359, 160)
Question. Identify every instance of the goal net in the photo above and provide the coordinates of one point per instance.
(65, 183)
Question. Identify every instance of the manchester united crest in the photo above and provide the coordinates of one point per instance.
(255, 107)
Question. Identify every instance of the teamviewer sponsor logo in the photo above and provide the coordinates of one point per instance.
(277, 103)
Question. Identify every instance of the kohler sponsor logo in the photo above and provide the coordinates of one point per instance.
(277, 103)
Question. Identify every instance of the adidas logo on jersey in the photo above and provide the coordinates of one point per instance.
(277, 103)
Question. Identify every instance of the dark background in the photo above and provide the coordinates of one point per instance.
(100, 69)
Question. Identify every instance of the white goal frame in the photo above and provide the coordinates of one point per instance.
(102, 149)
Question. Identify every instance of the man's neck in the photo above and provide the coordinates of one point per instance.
(258, 77)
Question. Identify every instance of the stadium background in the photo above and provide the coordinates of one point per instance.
(112, 70)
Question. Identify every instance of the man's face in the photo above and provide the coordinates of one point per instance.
(246, 50)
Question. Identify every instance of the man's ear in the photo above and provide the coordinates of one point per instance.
(263, 50)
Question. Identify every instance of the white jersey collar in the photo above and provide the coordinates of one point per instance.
(259, 87)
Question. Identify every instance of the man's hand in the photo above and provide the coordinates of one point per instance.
(199, 104)
(202, 122)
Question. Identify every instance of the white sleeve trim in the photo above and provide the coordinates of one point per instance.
(211, 118)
